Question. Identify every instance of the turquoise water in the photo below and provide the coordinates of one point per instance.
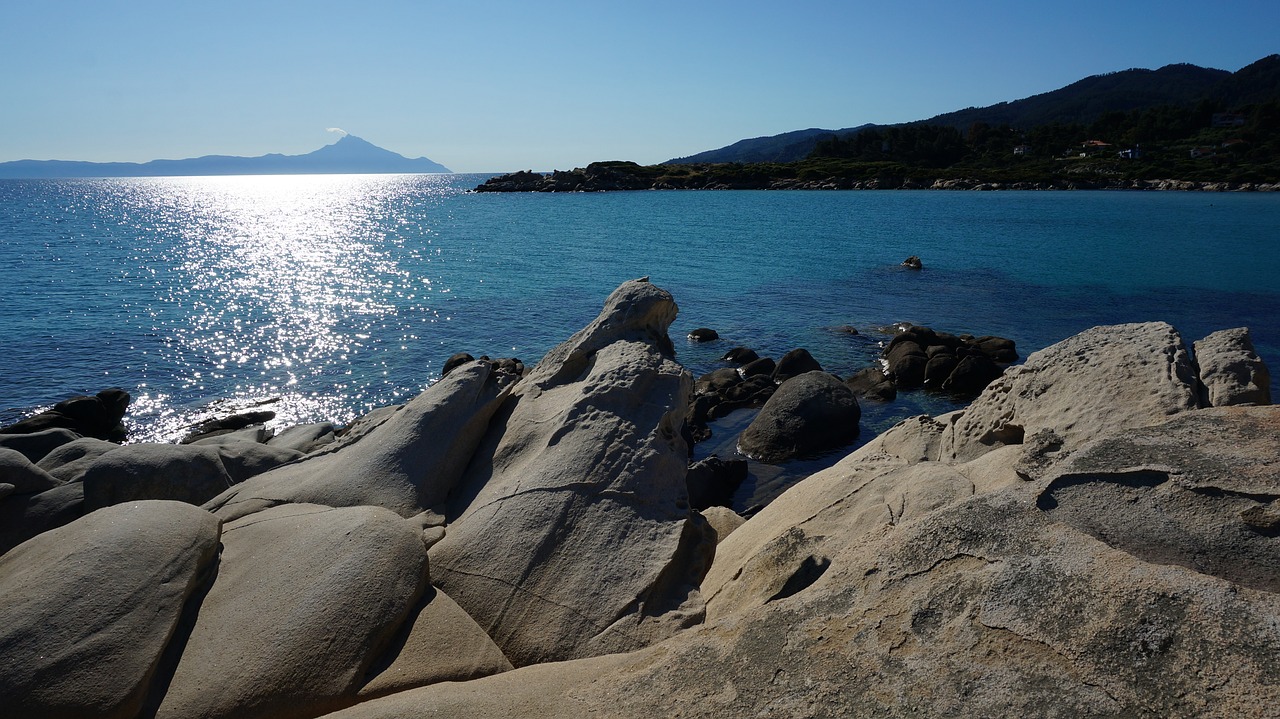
(331, 295)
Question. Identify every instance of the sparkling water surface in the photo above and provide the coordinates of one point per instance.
(327, 295)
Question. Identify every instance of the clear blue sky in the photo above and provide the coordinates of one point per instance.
(497, 86)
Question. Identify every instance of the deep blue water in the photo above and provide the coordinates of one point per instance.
(337, 294)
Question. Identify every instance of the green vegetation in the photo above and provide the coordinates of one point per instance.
(1166, 142)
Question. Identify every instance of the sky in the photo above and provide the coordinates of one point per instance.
(499, 86)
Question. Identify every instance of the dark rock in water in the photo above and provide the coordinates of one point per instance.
(920, 356)
(756, 388)
(717, 381)
(809, 413)
(913, 263)
(998, 349)
(971, 375)
(223, 425)
(764, 365)
(939, 366)
(98, 416)
(847, 330)
(907, 362)
(740, 356)
(455, 361)
(704, 334)
(794, 363)
(713, 481)
(872, 383)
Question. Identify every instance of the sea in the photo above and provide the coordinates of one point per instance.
(321, 297)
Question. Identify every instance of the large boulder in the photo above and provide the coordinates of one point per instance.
(23, 516)
(70, 461)
(571, 533)
(35, 445)
(795, 363)
(1231, 372)
(880, 589)
(89, 608)
(306, 598)
(187, 473)
(25, 477)
(1101, 380)
(408, 463)
(440, 643)
(809, 413)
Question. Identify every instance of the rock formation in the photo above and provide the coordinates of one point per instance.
(1089, 537)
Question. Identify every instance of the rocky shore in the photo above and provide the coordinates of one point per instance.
(614, 176)
(1096, 534)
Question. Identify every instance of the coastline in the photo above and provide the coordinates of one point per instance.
(1109, 505)
(620, 176)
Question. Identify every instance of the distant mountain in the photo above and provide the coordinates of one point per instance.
(349, 155)
(1080, 102)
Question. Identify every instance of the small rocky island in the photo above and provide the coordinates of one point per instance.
(1097, 533)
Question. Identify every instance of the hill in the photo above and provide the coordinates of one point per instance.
(1080, 103)
(349, 155)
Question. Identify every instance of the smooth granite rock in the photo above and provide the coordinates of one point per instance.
(305, 438)
(1231, 372)
(408, 463)
(35, 445)
(23, 516)
(86, 610)
(306, 598)
(440, 643)
(880, 589)
(1101, 380)
(69, 462)
(190, 473)
(571, 533)
(26, 477)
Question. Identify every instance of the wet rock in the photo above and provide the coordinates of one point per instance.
(913, 263)
(713, 481)
(454, 362)
(740, 356)
(704, 334)
(807, 414)
(873, 384)
(795, 363)
(98, 416)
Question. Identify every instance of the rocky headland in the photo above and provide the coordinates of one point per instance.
(1096, 534)
(615, 176)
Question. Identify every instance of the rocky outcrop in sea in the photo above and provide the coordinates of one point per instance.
(614, 176)
(1097, 533)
